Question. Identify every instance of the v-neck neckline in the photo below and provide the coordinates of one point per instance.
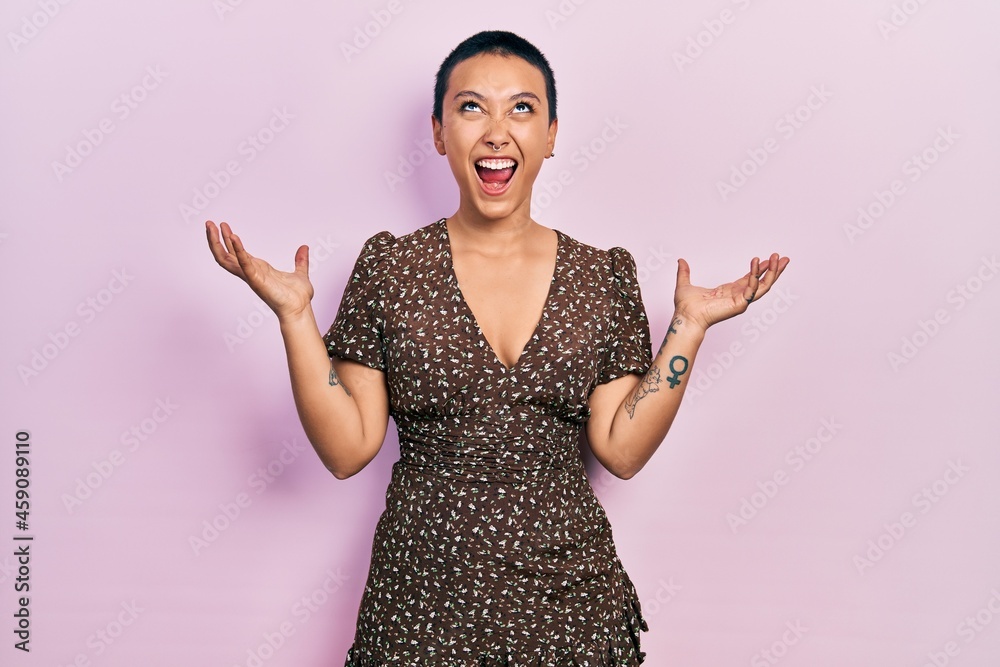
(465, 304)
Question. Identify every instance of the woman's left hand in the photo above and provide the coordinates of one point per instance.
(708, 306)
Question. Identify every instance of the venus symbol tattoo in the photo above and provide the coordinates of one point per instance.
(674, 379)
(335, 379)
(650, 383)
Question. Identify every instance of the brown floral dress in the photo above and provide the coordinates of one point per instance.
(492, 548)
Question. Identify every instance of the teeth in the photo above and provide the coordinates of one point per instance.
(496, 164)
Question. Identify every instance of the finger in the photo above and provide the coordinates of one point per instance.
(222, 257)
(777, 266)
(241, 253)
(767, 272)
(772, 273)
(753, 281)
(213, 241)
(782, 263)
(302, 260)
(754, 272)
(227, 236)
(683, 273)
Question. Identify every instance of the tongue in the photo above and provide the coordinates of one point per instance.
(495, 175)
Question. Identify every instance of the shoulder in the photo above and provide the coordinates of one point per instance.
(378, 245)
(615, 263)
(384, 247)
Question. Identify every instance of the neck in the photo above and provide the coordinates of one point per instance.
(500, 233)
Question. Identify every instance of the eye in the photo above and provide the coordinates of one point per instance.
(524, 106)
(465, 106)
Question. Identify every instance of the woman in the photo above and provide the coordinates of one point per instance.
(492, 341)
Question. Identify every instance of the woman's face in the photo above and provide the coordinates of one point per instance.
(495, 101)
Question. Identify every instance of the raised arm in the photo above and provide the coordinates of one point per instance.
(343, 404)
(631, 415)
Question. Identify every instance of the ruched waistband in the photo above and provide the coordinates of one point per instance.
(475, 464)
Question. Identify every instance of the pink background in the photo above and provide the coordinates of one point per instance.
(875, 354)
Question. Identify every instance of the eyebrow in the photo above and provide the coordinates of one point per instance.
(515, 96)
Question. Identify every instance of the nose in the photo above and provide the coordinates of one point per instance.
(496, 135)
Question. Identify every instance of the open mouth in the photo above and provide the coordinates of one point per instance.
(495, 174)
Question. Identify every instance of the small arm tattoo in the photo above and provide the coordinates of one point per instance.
(650, 383)
(335, 379)
(671, 330)
(677, 372)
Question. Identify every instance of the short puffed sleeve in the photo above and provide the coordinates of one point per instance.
(357, 333)
(629, 347)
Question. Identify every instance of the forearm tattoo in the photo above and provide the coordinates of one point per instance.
(651, 380)
(335, 379)
(671, 330)
(649, 384)
(678, 367)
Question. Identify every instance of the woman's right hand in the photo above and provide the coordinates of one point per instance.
(287, 294)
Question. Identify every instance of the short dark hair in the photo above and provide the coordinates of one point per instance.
(494, 42)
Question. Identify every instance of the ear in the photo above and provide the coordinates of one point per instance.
(553, 128)
(436, 129)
